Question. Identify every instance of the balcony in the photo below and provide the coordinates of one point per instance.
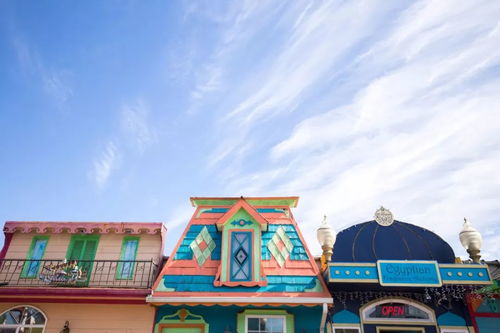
(135, 274)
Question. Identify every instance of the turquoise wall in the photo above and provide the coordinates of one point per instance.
(307, 319)
(488, 325)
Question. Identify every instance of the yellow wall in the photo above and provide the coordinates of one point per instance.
(94, 318)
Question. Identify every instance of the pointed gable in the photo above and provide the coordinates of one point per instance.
(243, 248)
(240, 208)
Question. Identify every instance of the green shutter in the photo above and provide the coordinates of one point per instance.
(83, 247)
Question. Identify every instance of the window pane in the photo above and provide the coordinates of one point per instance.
(21, 317)
(275, 325)
(129, 252)
(253, 324)
(8, 330)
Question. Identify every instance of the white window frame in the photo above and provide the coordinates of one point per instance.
(265, 316)
(19, 326)
(454, 330)
(342, 327)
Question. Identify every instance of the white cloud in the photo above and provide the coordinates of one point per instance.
(135, 125)
(417, 126)
(105, 164)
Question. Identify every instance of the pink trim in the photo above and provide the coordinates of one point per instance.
(8, 238)
(132, 228)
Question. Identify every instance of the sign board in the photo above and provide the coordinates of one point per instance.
(408, 273)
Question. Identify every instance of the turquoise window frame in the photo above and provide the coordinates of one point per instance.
(120, 266)
(25, 273)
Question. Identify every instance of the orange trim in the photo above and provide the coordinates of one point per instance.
(171, 258)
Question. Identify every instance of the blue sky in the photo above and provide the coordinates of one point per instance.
(122, 110)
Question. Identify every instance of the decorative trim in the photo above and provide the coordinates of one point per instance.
(132, 228)
(280, 255)
(239, 300)
(186, 319)
(254, 201)
(202, 255)
(444, 270)
(241, 222)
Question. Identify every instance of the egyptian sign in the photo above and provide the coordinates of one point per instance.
(408, 273)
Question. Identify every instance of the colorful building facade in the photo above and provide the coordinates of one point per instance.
(78, 277)
(241, 265)
(388, 276)
(484, 304)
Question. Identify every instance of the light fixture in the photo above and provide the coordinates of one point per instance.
(471, 240)
(66, 328)
(326, 238)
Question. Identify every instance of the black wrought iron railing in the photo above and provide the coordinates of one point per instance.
(139, 274)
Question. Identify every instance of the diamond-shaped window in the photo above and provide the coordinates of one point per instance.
(202, 246)
(241, 256)
(280, 246)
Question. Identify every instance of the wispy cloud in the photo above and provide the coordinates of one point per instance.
(135, 125)
(105, 164)
(56, 85)
(54, 82)
(408, 116)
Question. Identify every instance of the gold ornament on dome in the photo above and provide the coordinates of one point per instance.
(384, 217)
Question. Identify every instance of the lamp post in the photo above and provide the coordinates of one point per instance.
(471, 240)
(326, 238)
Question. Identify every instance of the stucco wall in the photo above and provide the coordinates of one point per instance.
(109, 246)
(95, 318)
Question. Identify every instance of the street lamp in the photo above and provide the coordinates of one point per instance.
(326, 238)
(471, 240)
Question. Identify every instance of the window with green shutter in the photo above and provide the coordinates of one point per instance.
(126, 266)
(37, 250)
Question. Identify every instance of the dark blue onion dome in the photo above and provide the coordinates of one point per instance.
(370, 241)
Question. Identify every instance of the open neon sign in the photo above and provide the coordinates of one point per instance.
(393, 311)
